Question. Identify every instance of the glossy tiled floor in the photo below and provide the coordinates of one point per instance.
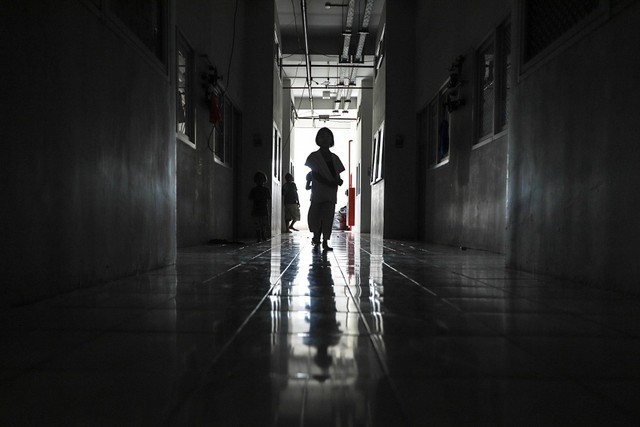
(275, 334)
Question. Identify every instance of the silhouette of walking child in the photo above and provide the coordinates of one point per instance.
(261, 197)
(325, 169)
(291, 202)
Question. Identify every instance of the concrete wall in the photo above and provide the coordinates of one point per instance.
(399, 124)
(362, 154)
(574, 159)
(88, 170)
(258, 107)
(377, 189)
(288, 153)
(206, 188)
(393, 198)
(464, 199)
(281, 165)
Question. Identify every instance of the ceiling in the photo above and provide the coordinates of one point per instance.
(335, 71)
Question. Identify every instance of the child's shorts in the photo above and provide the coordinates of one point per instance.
(292, 212)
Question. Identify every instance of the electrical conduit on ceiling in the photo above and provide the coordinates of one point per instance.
(345, 98)
(364, 30)
(347, 31)
(303, 5)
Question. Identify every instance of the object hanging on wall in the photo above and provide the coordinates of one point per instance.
(215, 116)
(210, 81)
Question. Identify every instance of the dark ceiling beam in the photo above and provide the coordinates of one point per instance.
(316, 88)
(333, 65)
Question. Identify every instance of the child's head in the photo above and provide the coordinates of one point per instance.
(288, 177)
(324, 137)
(260, 178)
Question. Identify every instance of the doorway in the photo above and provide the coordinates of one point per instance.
(303, 143)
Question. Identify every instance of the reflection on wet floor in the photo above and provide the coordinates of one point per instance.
(320, 341)
(279, 334)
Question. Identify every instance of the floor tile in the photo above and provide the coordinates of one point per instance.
(507, 402)
(374, 333)
(543, 324)
(587, 357)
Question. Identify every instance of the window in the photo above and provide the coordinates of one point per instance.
(277, 55)
(226, 132)
(444, 119)
(504, 80)
(432, 131)
(486, 95)
(146, 20)
(185, 112)
(546, 21)
(434, 128)
(276, 157)
(493, 70)
(143, 24)
(377, 156)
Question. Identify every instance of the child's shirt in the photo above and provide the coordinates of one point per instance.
(290, 193)
(260, 196)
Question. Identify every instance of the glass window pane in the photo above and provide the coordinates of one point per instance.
(546, 21)
(443, 126)
(486, 70)
(182, 112)
(433, 132)
(145, 19)
(505, 84)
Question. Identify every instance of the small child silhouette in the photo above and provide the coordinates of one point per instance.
(291, 202)
(261, 196)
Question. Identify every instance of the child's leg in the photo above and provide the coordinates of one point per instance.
(315, 222)
(328, 212)
(263, 228)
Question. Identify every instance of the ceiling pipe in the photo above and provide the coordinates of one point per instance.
(328, 87)
(347, 32)
(333, 66)
(364, 30)
(303, 5)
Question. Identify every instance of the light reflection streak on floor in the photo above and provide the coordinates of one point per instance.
(375, 333)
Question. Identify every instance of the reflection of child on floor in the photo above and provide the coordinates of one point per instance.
(261, 196)
(291, 202)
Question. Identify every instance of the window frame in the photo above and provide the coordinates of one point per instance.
(502, 72)
(163, 63)
(276, 154)
(600, 15)
(189, 136)
(377, 156)
(226, 132)
(433, 115)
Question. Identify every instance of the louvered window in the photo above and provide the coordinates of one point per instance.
(545, 21)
